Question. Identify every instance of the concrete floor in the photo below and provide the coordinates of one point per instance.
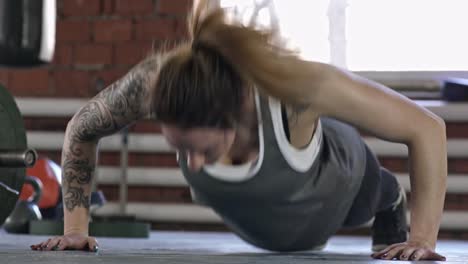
(204, 248)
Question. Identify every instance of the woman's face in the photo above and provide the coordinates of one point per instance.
(199, 145)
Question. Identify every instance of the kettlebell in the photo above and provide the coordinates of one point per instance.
(25, 211)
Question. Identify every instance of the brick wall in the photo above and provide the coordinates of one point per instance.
(97, 42)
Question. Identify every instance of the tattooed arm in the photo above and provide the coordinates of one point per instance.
(112, 109)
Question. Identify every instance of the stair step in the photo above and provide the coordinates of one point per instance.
(394, 164)
(59, 124)
(181, 195)
(191, 213)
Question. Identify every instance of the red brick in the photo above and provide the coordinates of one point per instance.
(174, 7)
(130, 53)
(108, 7)
(182, 28)
(112, 30)
(72, 83)
(63, 54)
(394, 164)
(72, 31)
(454, 130)
(457, 202)
(139, 159)
(45, 123)
(4, 78)
(149, 194)
(146, 126)
(457, 165)
(93, 54)
(108, 76)
(30, 82)
(157, 29)
(139, 7)
(81, 7)
(135, 159)
(457, 130)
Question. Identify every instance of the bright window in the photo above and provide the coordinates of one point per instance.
(427, 37)
(422, 35)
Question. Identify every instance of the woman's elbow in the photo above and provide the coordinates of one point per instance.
(441, 123)
(77, 132)
(438, 126)
(430, 130)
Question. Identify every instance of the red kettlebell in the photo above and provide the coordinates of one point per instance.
(49, 173)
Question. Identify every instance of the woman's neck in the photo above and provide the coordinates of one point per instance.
(245, 146)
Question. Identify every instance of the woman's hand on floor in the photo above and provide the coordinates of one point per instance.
(408, 251)
(68, 241)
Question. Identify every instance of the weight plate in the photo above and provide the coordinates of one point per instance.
(12, 137)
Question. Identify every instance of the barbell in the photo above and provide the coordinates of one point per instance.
(27, 39)
(14, 154)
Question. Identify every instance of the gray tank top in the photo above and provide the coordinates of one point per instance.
(281, 208)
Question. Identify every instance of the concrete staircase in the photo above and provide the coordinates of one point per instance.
(158, 193)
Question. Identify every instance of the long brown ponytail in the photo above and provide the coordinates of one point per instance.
(205, 82)
(255, 54)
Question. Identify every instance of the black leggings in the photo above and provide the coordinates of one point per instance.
(379, 190)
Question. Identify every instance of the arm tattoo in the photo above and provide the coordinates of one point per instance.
(124, 102)
(74, 197)
(112, 109)
(125, 98)
(91, 121)
(118, 105)
(77, 171)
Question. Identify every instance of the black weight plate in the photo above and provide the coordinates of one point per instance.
(12, 137)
